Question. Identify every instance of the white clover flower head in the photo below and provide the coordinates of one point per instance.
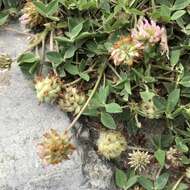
(139, 160)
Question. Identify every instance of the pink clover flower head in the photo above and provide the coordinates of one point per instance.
(147, 32)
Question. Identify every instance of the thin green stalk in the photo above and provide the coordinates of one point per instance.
(51, 47)
(178, 182)
(102, 68)
(114, 71)
(153, 5)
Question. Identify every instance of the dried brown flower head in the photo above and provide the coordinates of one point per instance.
(125, 51)
(55, 147)
(31, 17)
(174, 157)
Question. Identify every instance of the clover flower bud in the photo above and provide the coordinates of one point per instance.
(111, 144)
(72, 100)
(47, 89)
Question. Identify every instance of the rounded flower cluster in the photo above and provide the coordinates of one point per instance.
(148, 109)
(139, 160)
(5, 61)
(125, 51)
(47, 89)
(174, 157)
(72, 100)
(55, 148)
(31, 17)
(147, 32)
(111, 144)
(128, 50)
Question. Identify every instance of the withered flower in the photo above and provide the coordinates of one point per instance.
(55, 147)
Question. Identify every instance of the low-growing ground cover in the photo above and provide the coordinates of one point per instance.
(121, 68)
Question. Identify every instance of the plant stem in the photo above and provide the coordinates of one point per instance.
(51, 47)
(178, 182)
(42, 56)
(114, 71)
(153, 5)
(102, 68)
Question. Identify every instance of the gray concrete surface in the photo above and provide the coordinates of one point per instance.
(22, 122)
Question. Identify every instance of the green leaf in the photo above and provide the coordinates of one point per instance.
(3, 18)
(120, 179)
(103, 94)
(185, 81)
(180, 4)
(172, 100)
(147, 95)
(55, 57)
(27, 58)
(40, 7)
(70, 52)
(181, 145)
(84, 76)
(165, 13)
(160, 156)
(107, 120)
(47, 10)
(52, 7)
(72, 69)
(113, 108)
(177, 14)
(161, 181)
(131, 181)
(183, 186)
(174, 57)
(160, 103)
(145, 182)
(76, 30)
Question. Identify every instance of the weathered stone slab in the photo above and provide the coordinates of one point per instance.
(22, 122)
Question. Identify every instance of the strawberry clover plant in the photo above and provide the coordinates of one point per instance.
(126, 64)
